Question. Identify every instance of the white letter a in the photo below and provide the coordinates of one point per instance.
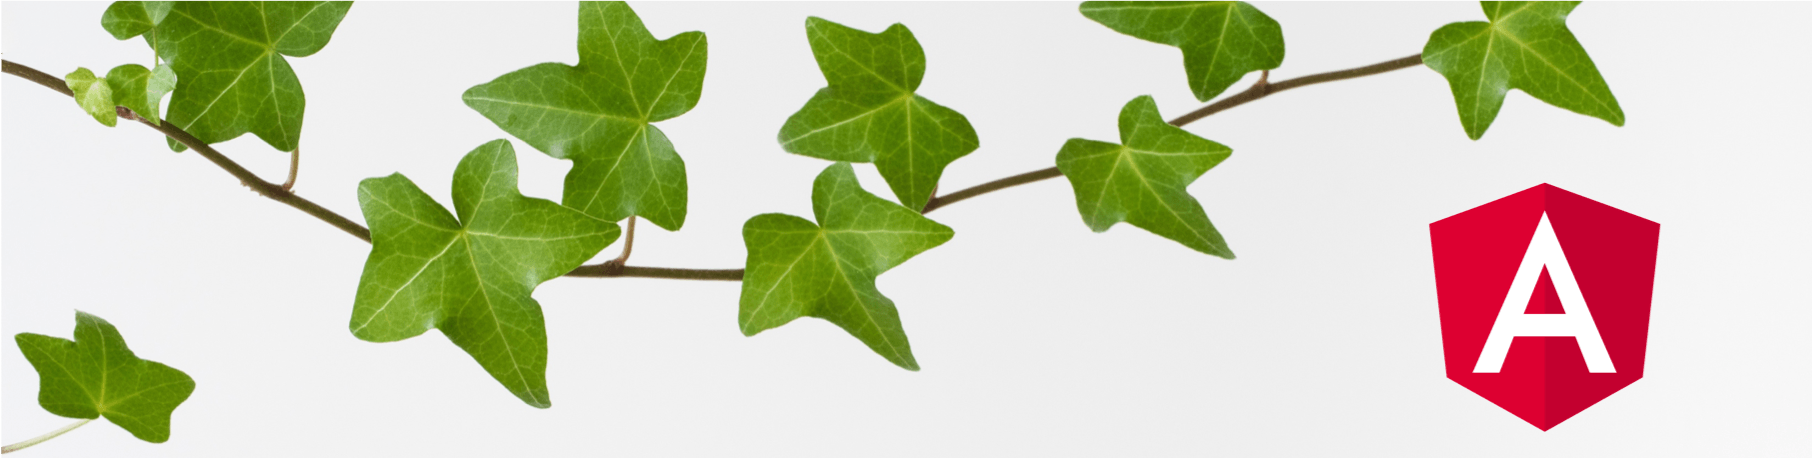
(1544, 250)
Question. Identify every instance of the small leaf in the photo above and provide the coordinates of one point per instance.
(228, 56)
(827, 270)
(1221, 41)
(471, 277)
(870, 112)
(129, 19)
(135, 88)
(1144, 180)
(598, 114)
(162, 81)
(1526, 45)
(93, 95)
(97, 376)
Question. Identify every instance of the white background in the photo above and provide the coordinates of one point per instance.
(1037, 337)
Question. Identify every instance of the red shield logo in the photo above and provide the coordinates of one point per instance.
(1544, 300)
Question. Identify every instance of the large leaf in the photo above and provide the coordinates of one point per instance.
(827, 270)
(232, 77)
(598, 114)
(471, 277)
(1221, 41)
(97, 376)
(870, 112)
(1144, 180)
(1526, 45)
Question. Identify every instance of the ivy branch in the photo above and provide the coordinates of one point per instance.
(618, 267)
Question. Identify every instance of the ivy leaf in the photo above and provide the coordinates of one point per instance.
(870, 112)
(471, 277)
(228, 56)
(93, 94)
(139, 89)
(133, 18)
(827, 270)
(1526, 45)
(1221, 41)
(598, 114)
(97, 376)
(1143, 181)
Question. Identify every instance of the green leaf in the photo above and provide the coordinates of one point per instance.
(228, 57)
(1526, 45)
(1221, 41)
(133, 18)
(598, 114)
(139, 89)
(827, 270)
(1144, 180)
(870, 112)
(471, 277)
(93, 94)
(97, 376)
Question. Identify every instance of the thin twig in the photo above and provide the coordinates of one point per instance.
(246, 177)
(616, 268)
(1258, 90)
(277, 193)
(603, 270)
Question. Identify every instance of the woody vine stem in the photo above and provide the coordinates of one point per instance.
(618, 267)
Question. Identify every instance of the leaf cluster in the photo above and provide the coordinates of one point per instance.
(471, 272)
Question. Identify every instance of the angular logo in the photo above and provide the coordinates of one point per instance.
(1544, 300)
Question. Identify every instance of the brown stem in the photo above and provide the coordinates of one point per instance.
(279, 193)
(1258, 90)
(1262, 88)
(616, 267)
(603, 270)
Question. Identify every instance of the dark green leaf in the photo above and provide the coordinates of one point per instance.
(598, 114)
(827, 270)
(129, 19)
(1221, 41)
(97, 376)
(870, 112)
(1144, 180)
(1526, 45)
(228, 56)
(471, 277)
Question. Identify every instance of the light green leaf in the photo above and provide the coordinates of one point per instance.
(1221, 41)
(471, 277)
(139, 89)
(97, 376)
(93, 94)
(228, 56)
(598, 114)
(870, 112)
(162, 81)
(827, 270)
(1144, 180)
(129, 19)
(1526, 45)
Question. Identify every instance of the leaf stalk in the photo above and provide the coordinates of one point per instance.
(45, 437)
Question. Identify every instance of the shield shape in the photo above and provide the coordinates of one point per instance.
(1544, 300)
